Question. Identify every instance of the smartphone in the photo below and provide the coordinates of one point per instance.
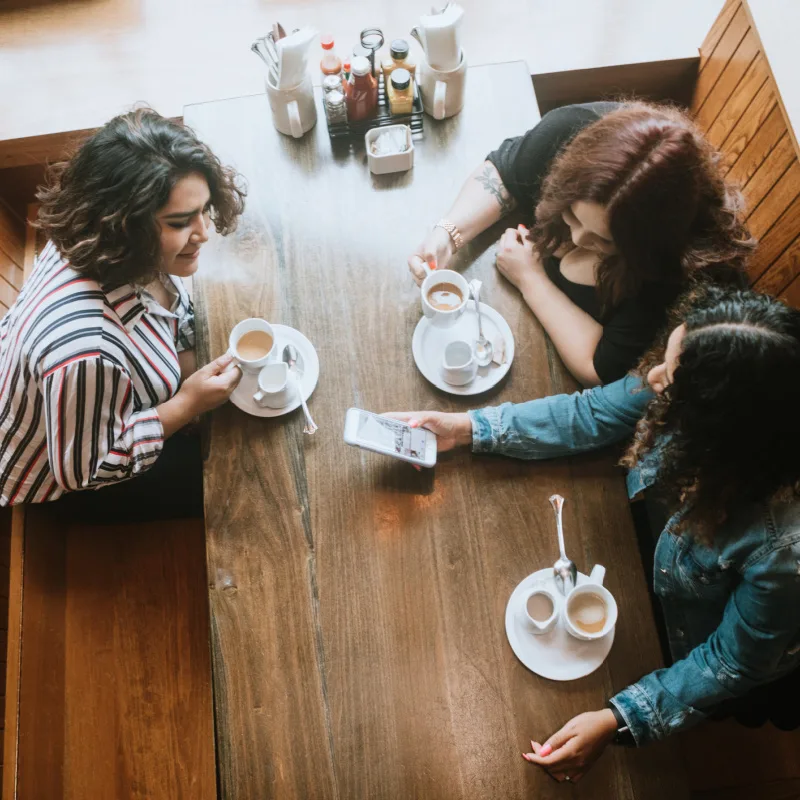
(390, 437)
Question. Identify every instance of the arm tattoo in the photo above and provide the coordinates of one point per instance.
(490, 180)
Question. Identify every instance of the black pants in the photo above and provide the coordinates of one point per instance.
(777, 702)
(171, 489)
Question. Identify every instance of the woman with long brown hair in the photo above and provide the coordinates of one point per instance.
(629, 209)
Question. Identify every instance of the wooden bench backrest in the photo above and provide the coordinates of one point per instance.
(737, 104)
(12, 258)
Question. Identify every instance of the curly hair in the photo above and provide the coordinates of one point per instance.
(99, 207)
(727, 429)
(672, 216)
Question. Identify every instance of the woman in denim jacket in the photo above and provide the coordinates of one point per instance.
(717, 421)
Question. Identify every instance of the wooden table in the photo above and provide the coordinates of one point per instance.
(357, 606)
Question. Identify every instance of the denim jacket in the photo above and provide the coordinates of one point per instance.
(732, 609)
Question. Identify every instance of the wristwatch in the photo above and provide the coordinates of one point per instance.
(623, 736)
(453, 231)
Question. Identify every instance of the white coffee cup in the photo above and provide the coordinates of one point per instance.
(538, 626)
(459, 366)
(593, 586)
(444, 317)
(275, 390)
(294, 111)
(246, 326)
(442, 92)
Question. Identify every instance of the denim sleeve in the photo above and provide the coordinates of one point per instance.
(561, 424)
(761, 620)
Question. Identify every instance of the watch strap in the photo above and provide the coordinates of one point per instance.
(453, 231)
(623, 736)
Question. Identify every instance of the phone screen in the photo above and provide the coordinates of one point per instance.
(392, 435)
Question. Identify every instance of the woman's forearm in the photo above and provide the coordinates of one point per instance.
(482, 201)
(573, 332)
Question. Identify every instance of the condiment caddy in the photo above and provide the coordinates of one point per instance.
(372, 93)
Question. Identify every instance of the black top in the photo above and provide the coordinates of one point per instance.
(523, 162)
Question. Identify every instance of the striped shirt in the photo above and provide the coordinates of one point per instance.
(81, 373)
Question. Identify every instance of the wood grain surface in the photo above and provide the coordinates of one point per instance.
(115, 691)
(357, 606)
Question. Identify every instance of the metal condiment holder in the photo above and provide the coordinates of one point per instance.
(382, 118)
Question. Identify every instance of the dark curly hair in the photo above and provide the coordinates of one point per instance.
(671, 214)
(727, 428)
(99, 207)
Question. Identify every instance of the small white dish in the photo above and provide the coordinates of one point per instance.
(392, 162)
(307, 361)
(555, 655)
(429, 342)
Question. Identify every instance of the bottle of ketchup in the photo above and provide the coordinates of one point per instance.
(361, 92)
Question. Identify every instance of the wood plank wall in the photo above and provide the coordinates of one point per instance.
(737, 104)
(12, 257)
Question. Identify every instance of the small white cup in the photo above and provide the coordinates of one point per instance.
(459, 366)
(294, 111)
(442, 92)
(444, 318)
(275, 390)
(541, 626)
(594, 586)
(245, 326)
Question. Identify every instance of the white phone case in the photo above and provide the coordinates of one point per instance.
(352, 437)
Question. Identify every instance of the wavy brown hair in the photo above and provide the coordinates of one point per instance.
(99, 207)
(672, 216)
(727, 429)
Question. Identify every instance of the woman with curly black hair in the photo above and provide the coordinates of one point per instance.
(97, 364)
(715, 412)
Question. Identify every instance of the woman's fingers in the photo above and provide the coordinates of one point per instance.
(220, 364)
(417, 266)
(563, 757)
(558, 739)
(403, 416)
(230, 379)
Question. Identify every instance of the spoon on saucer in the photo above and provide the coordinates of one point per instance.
(483, 347)
(290, 357)
(564, 571)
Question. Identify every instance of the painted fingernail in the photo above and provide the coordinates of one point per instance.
(525, 757)
(546, 750)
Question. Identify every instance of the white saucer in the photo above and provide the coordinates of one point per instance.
(307, 362)
(555, 655)
(429, 342)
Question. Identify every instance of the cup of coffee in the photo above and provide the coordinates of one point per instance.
(444, 296)
(459, 366)
(540, 611)
(590, 611)
(274, 387)
(252, 344)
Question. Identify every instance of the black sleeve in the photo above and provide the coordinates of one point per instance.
(629, 331)
(523, 161)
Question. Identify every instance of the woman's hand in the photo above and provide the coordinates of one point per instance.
(437, 249)
(451, 430)
(517, 259)
(210, 386)
(568, 754)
